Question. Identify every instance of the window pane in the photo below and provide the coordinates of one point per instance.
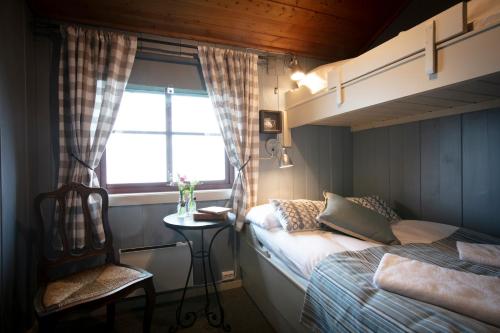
(193, 114)
(141, 111)
(136, 158)
(199, 157)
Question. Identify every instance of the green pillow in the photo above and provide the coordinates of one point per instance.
(355, 220)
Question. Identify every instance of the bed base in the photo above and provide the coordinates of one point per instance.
(277, 296)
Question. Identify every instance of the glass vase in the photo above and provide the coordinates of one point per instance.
(192, 203)
(181, 206)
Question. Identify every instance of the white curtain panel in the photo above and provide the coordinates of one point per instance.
(94, 67)
(231, 78)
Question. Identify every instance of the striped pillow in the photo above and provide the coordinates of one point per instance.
(298, 215)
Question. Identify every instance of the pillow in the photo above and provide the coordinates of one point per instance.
(263, 216)
(354, 220)
(298, 215)
(377, 204)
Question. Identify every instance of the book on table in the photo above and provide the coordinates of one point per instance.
(215, 210)
(202, 216)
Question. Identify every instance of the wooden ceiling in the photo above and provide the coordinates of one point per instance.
(325, 29)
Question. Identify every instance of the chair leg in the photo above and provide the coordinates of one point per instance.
(149, 288)
(110, 315)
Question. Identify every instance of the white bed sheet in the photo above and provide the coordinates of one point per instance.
(302, 251)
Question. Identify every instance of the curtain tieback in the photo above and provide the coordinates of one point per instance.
(228, 203)
(82, 162)
(244, 165)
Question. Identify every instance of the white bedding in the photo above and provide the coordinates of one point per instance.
(302, 251)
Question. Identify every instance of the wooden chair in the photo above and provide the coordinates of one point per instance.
(88, 288)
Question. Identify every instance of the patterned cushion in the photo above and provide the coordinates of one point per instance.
(87, 284)
(377, 204)
(298, 215)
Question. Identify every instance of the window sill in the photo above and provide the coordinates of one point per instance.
(135, 199)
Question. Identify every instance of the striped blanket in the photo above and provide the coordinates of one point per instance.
(341, 298)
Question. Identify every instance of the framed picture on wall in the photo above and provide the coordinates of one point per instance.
(271, 122)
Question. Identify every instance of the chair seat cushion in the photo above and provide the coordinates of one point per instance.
(88, 284)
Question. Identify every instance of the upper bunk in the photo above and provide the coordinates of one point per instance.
(449, 64)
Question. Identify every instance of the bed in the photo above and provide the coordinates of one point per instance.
(446, 65)
(280, 270)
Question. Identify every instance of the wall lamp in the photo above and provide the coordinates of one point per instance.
(297, 71)
(275, 149)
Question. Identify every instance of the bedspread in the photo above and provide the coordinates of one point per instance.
(341, 297)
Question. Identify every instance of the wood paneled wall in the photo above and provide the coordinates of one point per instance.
(141, 225)
(322, 154)
(322, 157)
(444, 170)
(15, 235)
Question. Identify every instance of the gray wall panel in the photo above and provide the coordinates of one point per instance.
(451, 165)
(299, 158)
(404, 169)
(327, 170)
(347, 161)
(16, 234)
(313, 167)
(322, 162)
(371, 163)
(481, 187)
(441, 170)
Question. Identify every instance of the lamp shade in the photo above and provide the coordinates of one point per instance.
(285, 161)
(297, 71)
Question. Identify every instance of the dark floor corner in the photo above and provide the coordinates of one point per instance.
(241, 313)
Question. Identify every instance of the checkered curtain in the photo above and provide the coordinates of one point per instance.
(231, 78)
(94, 67)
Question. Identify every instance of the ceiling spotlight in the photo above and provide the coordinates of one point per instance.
(297, 71)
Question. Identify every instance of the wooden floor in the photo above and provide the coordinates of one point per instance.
(241, 313)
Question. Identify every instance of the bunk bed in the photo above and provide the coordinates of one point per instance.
(449, 64)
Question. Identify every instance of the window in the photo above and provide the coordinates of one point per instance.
(158, 135)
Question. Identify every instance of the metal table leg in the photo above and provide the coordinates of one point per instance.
(190, 317)
(212, 318)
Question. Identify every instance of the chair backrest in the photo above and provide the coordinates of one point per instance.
(65, 253)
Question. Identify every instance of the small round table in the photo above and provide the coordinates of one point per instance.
(178, 224)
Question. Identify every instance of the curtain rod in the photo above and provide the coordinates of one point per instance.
(53, 26)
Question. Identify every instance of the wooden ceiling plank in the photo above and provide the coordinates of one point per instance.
(242, 36)
(289, 30)
(357, 11)
(326, 29)
(277, 12)
(250, 40)
(220, 13)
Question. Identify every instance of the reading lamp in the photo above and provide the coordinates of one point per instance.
(276, 150)
(297, 71)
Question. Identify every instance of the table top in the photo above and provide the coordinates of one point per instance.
(187, 222)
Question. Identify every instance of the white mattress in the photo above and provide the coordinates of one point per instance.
(302, 251)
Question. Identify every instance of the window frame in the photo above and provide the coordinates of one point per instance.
(225, 183)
